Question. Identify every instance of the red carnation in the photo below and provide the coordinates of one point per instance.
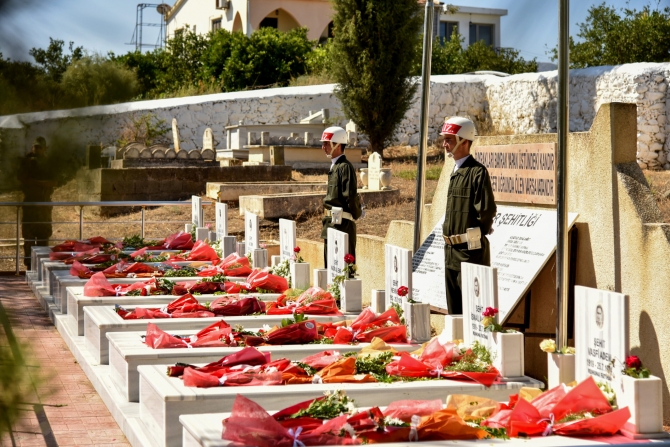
(349, 258)
(403, 291)
(296, 250)
(633, 362)
(490, 312)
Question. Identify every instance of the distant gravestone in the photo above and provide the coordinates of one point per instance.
(480, 290)
(374, 171)
(221, 220)
(398, 264)
(175, 135)
(601, 334)
(208, 139)
(338, 247)
(251, 233)
(287, 238)
(197, 214)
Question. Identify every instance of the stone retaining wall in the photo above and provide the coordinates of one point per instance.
(517, 104)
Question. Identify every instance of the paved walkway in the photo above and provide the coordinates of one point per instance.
(71, 412)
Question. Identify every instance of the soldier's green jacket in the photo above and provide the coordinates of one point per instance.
(470, 204)
(343, 193)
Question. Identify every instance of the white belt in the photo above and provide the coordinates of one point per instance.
(345, 215)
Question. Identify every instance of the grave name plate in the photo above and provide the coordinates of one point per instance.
(221, 220)
(175, 135)
(251, 233)
(522, 242)
(197, 214)
(398, 262)
(374, 171)
(480, 290)
(601, 334)
(208, 139)
(287, 239)
(338, 246)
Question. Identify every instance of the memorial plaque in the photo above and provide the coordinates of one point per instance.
(197, 214)
(221, 220)
(251, 233)
(521, 173)
(338, 246)
(287, 239)
(480, 290)
(175, 135)
(208, 139)
(374, 171)
(522, 242)
(398, 262)
(601, 334)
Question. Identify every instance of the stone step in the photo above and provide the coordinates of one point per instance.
(100, 320)
(163, 399)
(275, 206)
(77, 302)
(127, 351)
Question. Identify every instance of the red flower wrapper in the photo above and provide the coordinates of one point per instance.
(69, 257)
(247, 356)
(79, 246)
(235, 305)
(98, 285)
(208, 287)
(214, 335)
(314, 301)
(293, 334)
(260, 279)
(321, 359)
(80, 270)
(183, 307)
(446, 425)
(604, 425)
(193, 378)
(586, 396)
(405, 409)
(127, 268)
(200, 252)
(233, 265)
(177, 241)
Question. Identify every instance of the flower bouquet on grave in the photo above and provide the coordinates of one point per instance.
(448, 361)
(262, 281)
(201, 251)
(141, 255)
(314, 300)
(300, 331)
(129, 268)
(79, 246)
(216, 335)
(233, 265)
(98, 285)
(216, 285)
(188, 307)
(580, 411)
(176, 241)
(367, 326)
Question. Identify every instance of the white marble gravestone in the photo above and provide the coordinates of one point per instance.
(522, 242)
(338, 246)
(221, 220)
(197, 213)
(398, 262)
(287, 238)
(479, 285)
(374, 171)
(251, 232)
(208, 140)
(175, 135)
(601, 334)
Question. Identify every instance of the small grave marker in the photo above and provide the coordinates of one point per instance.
(197, 214)
(479, 285)
(251, 233)
(287, 238)
(374, 171)
(338, 246)
(398, 262)
(221, 220)
(175, 135)
(208, 139)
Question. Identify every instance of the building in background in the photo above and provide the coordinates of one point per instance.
(246, 16)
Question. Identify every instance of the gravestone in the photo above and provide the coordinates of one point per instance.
(208, 139)
(221, 220)
(374, 171)
(522, 242)
(480, 290)
(398, 264)
(175, 135)
(251, 233)
(338, 246)
(197, 214)
(601, 334)
(287, 239)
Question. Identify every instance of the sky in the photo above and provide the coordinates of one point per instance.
(531, 26)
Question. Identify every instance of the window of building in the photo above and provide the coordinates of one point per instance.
(216, 24)
(446, 30)
(481, 32)
(269, 22)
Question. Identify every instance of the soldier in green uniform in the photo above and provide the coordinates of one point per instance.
(470, 209)
(342, 200)
(37, 184)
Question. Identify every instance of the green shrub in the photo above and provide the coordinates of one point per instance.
(93, 80)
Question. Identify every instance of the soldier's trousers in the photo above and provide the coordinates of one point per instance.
(454, 296)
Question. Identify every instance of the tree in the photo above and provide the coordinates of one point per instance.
(608, 38)
(375, 46)
(94, 80)
(53, 60)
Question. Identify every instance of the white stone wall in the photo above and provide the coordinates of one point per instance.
(517, 104)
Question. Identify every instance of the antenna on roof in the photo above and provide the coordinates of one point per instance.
(163, 9)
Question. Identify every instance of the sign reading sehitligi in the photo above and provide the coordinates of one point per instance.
(521, 173)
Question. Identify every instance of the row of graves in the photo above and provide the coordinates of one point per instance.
(196, 341)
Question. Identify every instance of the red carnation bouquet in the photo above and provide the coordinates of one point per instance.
(176, 241)
(201, 251)
(216, 335)
(79, 246)
(314, 300)
(386, 326)
(232, 265)
(98, 285)
(120, 270)
(188, 307)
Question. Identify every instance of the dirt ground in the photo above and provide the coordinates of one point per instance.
(162, 221)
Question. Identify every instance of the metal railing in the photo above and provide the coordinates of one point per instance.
(129, 204)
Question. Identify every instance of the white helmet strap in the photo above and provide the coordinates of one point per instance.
(459, 141)
(332, 148)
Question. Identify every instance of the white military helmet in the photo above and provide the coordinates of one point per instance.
(461, 127)
(335, 134)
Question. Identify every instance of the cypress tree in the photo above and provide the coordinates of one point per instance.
(376, 45)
